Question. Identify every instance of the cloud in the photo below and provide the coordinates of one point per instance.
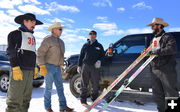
(33, 9)
(80, 0)
(82, 37)
(105, 26)
(68, 20)
(174, 29)
(56, 20)
(131, 17)
(138, 30)
(121, 9)
(69, 53)
(32, 1)
(141, 5)
(14, 12)
(102, 18)
(7, 24)
(127, 32)
(103, 3)
(54, 6)
(113, 32)
(9, 4)
(75, 35)
(40, 35)
(71, 38)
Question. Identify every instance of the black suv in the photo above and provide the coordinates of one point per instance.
(5, 70)
(125, 51)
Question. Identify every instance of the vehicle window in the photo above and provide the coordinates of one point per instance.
(130, 44)
(135, 49)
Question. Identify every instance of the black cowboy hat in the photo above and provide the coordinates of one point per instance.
(28, 16)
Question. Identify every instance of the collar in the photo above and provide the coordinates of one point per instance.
(91, 41)
(24, 28)
(160, 34)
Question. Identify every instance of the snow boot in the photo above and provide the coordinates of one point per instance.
(67, 109)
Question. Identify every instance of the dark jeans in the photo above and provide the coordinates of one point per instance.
(164, 84)
(89, 74)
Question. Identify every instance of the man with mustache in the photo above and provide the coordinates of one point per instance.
(164, 75)
(22, 56)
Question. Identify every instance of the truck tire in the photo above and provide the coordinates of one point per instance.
(4, 82)
(75, 84)
(38, 85)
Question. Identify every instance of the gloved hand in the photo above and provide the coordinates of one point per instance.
(150, 53)
(79, 69)
(17, 73)
(61, 68)
(36, 72)
(43, 70)
(155, 52)
(98, 64)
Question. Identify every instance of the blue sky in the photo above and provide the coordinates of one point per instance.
(112, 19)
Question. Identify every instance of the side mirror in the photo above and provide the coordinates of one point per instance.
(109, 52)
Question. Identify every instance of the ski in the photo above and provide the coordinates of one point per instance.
(121, 76)
(127, 82)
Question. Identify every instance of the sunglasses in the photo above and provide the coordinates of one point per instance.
(155, 25)
(60, 29)
(92, 34)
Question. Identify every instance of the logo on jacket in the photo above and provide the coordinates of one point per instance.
(98, 48)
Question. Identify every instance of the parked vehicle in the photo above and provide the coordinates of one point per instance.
(125, 51)
(5, 70)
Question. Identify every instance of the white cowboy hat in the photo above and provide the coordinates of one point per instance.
(55, 25)
(158, 21)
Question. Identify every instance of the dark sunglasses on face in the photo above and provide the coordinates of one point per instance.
(60, 29)
(92, 34)
(155, 25)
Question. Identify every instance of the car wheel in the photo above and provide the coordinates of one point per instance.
(75, 85)
(4, 82)
(38, 85)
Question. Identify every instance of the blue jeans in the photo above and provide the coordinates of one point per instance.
(54, 75)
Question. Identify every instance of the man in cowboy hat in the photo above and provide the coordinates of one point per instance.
(91, 56)
(22, 56)
(50, 56)
(164, 76)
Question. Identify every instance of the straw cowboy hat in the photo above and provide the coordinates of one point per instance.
(55, 25)
(28, 16)
(158, 21)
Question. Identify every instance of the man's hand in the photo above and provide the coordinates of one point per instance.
(79, 69)
(154, 53)
(17, 73)
(61, 68)
(98, 64)
(43, 70)
(36, 71)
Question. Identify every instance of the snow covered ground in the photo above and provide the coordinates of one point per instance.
(37, 104)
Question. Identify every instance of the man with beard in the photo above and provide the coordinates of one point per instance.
(164, 76)
(22, 55)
